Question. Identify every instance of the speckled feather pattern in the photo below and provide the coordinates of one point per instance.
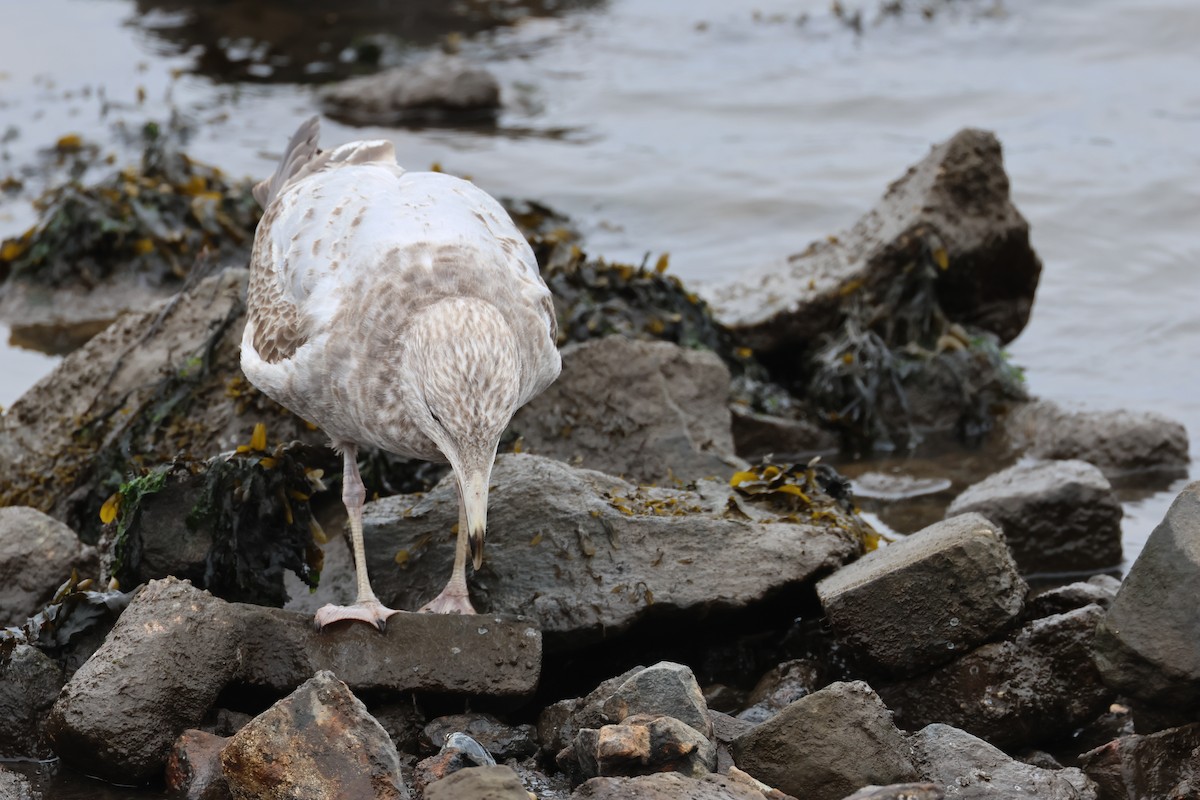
(380, 297)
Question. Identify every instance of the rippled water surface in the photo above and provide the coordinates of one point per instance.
(730, 135)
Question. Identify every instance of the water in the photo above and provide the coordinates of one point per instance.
(731, 135)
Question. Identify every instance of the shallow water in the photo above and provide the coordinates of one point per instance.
(730, 137)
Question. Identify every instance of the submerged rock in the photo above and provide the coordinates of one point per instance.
(442, 88)
(37, 553)
(955, 581)
(318, 741)
(586, 554)
(827, 745)
(1146, 644)
(1058, 516)
(652, 412)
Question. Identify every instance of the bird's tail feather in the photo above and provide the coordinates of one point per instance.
(300, 151)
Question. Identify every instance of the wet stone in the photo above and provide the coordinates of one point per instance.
(899, 791)
(639, 745)
(666, 786)
(485, 783)
(1057, 516)
(1146, 644)
(663, 689)
(14, 786)
(317, 742)
(194, 767)
(1098, 589)
(758, 435)
(955, 580)
(442, 88)
(37, 553)
(782, 685)
(29, 683)
(1036, 684)
(1165, 764)
(501, 740)
(827, 745)
(976, 770)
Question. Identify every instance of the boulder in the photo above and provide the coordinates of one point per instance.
(955, 202)
(481, 783)
(37, 553)
(1146, 644)
(827, 745)
(1057, 516)
(29, 683)
(638, 745)
(1118, 442)
(666, 786)
(781, 686)
(955, 580)
(651, 412)
(318, 741)
(440, 88)
(586, 555)
(167, 659)
(971, 768)
(500, 740)
(1165, 764)
(1036, 684)
(194, 767)
(664, 689)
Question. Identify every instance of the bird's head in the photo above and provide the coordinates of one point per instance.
(465, 367)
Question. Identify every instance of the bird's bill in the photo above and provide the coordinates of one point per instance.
(475, 499)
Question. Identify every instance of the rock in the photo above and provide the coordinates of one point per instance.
(403, 722)
(502, 741)
(1118, 442)
(971, 768)
(758, 435)
(956, 198)
(725, 698)
(194, 767)
(586, 555)
(479, 783)
(162, 666)
(29, 683)
(651, 412)
(440, 88)
(1098, 589)
(827, 745)
(14, 786)
(459, 752)
(899, 791)
(639, 745)
(666, 786)
(559, 722)
(664, 689)
(318, 741)
(781, 686)
(444, 653)
(1058, 516)
(1165, 764)
(1146, 644)
(37, 553)
(1034, 685)
(955, 580)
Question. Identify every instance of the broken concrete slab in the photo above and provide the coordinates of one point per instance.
(586, 555)
(651, 412)
(1057, 516)
(955, 580)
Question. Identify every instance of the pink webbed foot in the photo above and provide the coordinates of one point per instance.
(371, 612)
(450, 601)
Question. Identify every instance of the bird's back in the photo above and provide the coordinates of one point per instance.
(350, 247)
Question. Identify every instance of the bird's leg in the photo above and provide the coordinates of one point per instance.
(454, 599)
(367, 607)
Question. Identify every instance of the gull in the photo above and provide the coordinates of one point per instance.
(399, 310)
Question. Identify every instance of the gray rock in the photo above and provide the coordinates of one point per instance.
(639, 745)
(781, 686)
(29, 683)
(666, 786)
(559, 722)
(194, 767)
(959, 196)
(757, 435)
(649, 411)
(827, 745)
(955, 581)
(1057, 516)
(170, 654)
(318, 741)
(1165, 764)
(481, 783)
(14, 786)
(37, 554)
(1146, 644)
(899, 791)
(725, 730)
(501, 740)
(1098, 589)
(970, 768)
(586, 554)
(442, 87)
(1037, 684)
(664, 689)
(1118, 442)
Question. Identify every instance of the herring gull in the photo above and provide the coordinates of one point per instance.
(399, 310)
